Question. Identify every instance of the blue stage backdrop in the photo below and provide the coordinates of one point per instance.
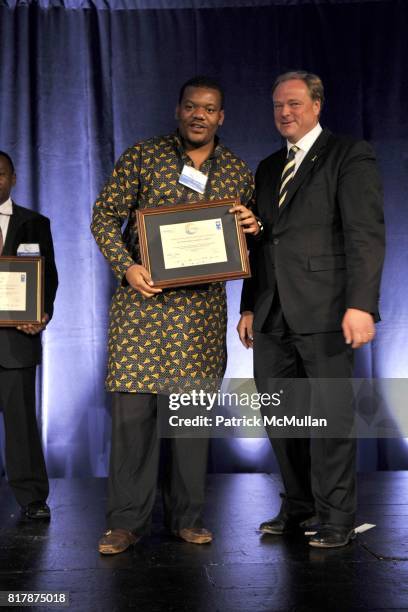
(81, 80)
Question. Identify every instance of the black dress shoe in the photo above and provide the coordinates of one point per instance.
(332, 536)
(37, 510)
(286, 523)
(310, 525)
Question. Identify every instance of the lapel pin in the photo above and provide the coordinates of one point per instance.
(314, 158)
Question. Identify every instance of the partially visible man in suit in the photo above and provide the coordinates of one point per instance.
(20, 353)
(314, 295)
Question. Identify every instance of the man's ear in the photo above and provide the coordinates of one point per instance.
(317, 107)
(221, 119)
(14, 179)
(177, 112)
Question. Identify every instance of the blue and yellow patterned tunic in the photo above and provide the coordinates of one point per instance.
(179, 336)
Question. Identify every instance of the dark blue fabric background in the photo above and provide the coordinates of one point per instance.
(80, 81)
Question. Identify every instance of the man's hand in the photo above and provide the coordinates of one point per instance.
(244, 329)
(139, 278)
(246, 218)
(32, 329)
(358, 327)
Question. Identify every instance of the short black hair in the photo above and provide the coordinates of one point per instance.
(204, 82)
(10, 161)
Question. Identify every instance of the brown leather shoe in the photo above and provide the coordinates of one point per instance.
(115, 541)
(195, 535)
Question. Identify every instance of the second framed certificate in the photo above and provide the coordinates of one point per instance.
(192, 243)
(21, 290)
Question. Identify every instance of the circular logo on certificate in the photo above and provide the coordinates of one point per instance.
(191, 228)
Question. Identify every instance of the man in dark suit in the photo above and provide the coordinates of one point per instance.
(314, 296)
(20, 353)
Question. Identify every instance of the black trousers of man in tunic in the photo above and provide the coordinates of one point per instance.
(134, 468)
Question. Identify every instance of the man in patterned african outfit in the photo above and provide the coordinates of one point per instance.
(161, 336)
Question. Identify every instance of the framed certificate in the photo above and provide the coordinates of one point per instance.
(192, 243)
(21, 290)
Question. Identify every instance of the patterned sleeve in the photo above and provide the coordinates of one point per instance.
(248, 187)
(112, 207)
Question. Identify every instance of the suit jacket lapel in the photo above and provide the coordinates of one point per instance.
(307, 165)
(274, 180)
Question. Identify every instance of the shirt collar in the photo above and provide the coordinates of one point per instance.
(179, 145)
(6, 208)
(308, 140)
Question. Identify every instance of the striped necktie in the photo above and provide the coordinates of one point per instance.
(287, 174)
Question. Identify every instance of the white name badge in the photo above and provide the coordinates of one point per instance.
(29, 249)
(196, 180)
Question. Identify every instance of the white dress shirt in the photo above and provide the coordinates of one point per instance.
(6, 210)
(305, 144)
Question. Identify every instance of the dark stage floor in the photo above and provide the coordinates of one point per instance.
(239, 571)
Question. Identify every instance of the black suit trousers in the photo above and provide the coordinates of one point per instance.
(134, 468)
(25, 465)
(318, 472)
